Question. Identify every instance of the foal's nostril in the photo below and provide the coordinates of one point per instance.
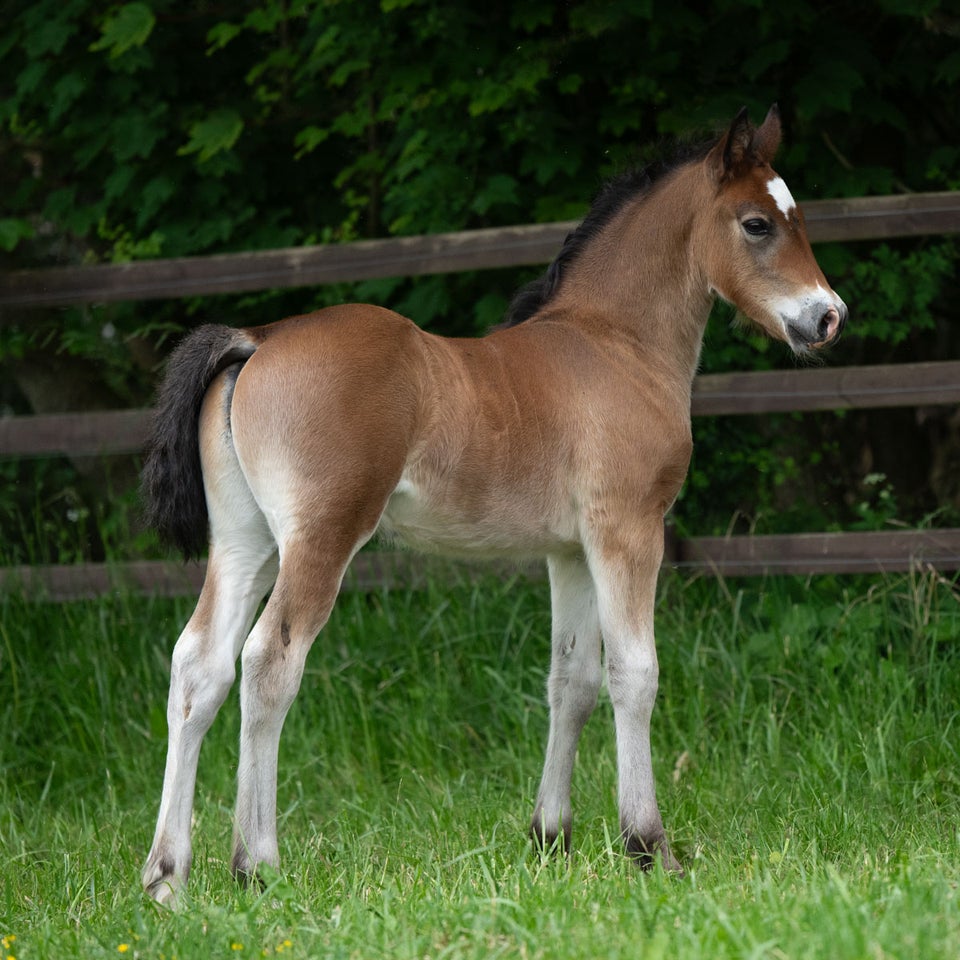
(829, 325)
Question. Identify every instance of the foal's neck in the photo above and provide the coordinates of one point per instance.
(642, 277)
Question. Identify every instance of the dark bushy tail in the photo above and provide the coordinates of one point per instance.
(171, 484)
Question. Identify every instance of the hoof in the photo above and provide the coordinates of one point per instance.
(246, 870)
(162, 883)
(549, 842)
(646, 853)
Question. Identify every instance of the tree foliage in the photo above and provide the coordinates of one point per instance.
(155, 128)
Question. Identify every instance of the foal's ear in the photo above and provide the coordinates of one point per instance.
(733, 147)
(766, 139)
(743, 145)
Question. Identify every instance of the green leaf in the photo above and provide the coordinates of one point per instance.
(66, 91)
(216, 134)
(31, 77)
(265, 19)
(153, 196)
(46, 33)
(124, 28)
(764, 57)
(569, 83)
(135, 134)
(529, 15)
(118, 182)
(829, 86)
(12, 231)
(220, 35)
(309, 138)
(499, 189)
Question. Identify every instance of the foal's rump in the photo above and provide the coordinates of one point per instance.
(315, 408)
(324, 414)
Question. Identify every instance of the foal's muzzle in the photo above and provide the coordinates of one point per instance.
(819, 330)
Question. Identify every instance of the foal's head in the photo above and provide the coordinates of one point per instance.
(758, 255)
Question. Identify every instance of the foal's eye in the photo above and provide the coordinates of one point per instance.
(756, 227)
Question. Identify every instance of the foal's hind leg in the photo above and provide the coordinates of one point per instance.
(202, 672)
(311, 570)
(572, 690)
(240, 570)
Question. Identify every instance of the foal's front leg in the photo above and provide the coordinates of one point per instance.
(572, 689)
(625, 565)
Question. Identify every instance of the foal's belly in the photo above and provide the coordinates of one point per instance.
(509, 526)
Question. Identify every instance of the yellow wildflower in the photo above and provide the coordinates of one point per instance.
(123, 947)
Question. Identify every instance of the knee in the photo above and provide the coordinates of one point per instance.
(272, 664)
(576, 687)
(200, 679)
(633, 678)
(198, 666)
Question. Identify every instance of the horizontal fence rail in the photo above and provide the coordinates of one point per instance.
(838, 388)
(879, 551)
(162, 578)
(124, 432)
(112, 432)
(857, 218)
(882, 551)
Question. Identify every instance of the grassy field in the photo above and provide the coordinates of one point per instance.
(806, 742)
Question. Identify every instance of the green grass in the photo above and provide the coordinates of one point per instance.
(806, 741)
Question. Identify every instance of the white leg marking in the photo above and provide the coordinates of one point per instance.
(202, 672)
(575, 677)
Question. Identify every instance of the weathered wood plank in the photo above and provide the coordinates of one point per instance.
(369, 572)
(835, 388)
(902, 385)
(808, 553)
(290, 267)
(857, 218)
(96, 433)
(882, 218)
(84, 581)
(869, 552)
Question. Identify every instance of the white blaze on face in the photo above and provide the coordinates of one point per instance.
(782, 196)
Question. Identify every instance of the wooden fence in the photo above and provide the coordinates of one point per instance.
(123, 432)
(860, 218)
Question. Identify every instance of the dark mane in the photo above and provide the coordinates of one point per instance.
(611, 198)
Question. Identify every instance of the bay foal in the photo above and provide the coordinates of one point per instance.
(564, 434)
